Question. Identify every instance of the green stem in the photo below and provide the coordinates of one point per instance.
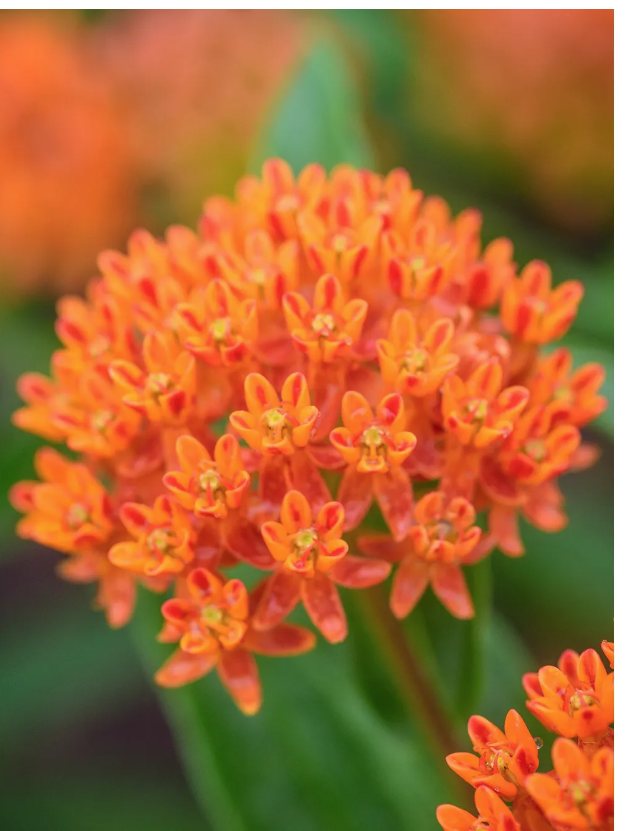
(422, 699)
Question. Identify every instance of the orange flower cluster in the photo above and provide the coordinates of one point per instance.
(318, 331)
(573, 700)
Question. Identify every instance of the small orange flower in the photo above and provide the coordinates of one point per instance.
(489, 276)
(328, 330)
(216, 327)
(579, 794)
(420, 267)
(575, 699)
(539, 448)
(312, 558)
(276, 199)
(68, 510)
(478, 410)
(504, 760)
(573, 395)
(343, 244)
(391, 197)
(535, 312)
(210, 620)
(274, 425)
(162, 542)
(442, 540)
(42, 396)
(265, 271)
(375, 448)
(208, 488)
(165, 390)
(493, 815)
(415, 367)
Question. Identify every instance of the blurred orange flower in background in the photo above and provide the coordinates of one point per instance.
(67, 184)
(200, 84)
(533, 87)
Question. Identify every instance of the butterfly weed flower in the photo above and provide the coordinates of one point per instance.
(246, 392)
(572, 700)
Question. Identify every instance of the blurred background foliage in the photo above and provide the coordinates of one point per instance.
(109, 120)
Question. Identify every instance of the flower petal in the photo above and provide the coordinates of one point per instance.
(182, 668)
(359, 572)
(450, 587)
(409, 584)
(239, 673)
(285, 639)
(279, 598)
(394, 493)
(355, 494)
(323, 604)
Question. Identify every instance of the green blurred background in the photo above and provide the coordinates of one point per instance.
(109, 120)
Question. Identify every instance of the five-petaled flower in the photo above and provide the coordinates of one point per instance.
(330, 327)
(579, 794)
(493, 814)
(162, 541)
(478, 410)
(209, 618)
(274, 425)
(434, 551)
(416, 367)
(504, 759)
(574, 699)
(311, 559)
(375, 448)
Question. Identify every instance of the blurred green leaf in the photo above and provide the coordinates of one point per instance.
(86, 801)
(316, 756)
(318, 118)
(62, 666)
(560, 593)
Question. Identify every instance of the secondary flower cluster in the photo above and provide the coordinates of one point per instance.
(573, 700)
(247, 392)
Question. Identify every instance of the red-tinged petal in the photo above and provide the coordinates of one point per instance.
(483, 732)
(327, 389)
(227, 455)
(329, 521)
(295, 309)
(449, 585)
(504, 526)
(555, 720)
(323, 604)
(341, 440)
(203, 586)
(356, 413)
(516, 730)
(260, 395)
(326, 456)
(359, 572)
(394, 493)
(239, 673)
(295, 513)
(355, 494)
(328, 293)
(384, 547)
(452, 818)
(390, 412)
(301, 434)
(272, 483)
(245, 541)
(182, 668)
(246, 425)
(303, 476)
(296, 392)
(280, 596)
(409, 584)
(402, 330)
(282, 640)
(486, 380)
(127, 555)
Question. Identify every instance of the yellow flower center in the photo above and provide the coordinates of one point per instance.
(477, 409)
(304, 547)
(158, 383)
(160, 541)
(229, 630)
(373, 443)
(536, 449)
(77, 516)
(415, 360)
(323, 324)
(101, 420)
(221, 329)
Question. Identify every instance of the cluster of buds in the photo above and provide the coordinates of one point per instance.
(573, 700)
(247, 392)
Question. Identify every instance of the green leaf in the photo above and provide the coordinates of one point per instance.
(318, 118)
(560, 593)
(318, 749)
(65, 665)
